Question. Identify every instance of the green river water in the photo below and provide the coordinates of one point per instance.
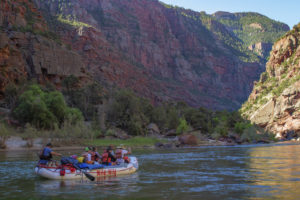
(239, 172)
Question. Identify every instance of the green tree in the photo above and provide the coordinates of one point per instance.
(44, 109)
(183, 126)
(127, 112)
(239, 127)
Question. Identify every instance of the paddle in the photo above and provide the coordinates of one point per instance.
(89, 176)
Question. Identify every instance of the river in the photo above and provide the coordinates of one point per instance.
(238, 172)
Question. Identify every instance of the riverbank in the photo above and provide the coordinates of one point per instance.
(17, 143)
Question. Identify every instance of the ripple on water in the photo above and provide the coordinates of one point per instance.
(248, 172)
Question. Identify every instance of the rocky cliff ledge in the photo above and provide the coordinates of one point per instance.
(159, 51)
(275, 100)
(29, 50)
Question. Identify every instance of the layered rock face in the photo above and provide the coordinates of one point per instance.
(160, 52)
(28, 51)
(275, 100)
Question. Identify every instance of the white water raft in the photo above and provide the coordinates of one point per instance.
(69, 173)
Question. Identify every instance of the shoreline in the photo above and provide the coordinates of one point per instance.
(18, 144)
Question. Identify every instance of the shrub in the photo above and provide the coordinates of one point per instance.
(73, 131)
(11, 95)
(255, 133)
(239, 127)
(216, 135)
(127, 112)
(183, 126)
(250, 134)
(44, 109)
(4, 134)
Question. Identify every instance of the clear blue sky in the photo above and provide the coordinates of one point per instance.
(287, 11)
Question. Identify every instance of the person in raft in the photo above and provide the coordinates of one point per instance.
(96, 157)
(121, 154)
(88, 155)
(47, 154)
(107, 157)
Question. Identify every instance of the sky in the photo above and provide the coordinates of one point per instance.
(286, 11)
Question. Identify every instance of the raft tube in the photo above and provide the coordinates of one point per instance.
(69, 173)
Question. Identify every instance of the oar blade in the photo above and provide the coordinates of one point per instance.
(89, 176)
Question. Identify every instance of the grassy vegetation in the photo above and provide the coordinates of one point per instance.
(252, 28)
(132, 142)
(238, 32)
(72, 22)
(266, 30)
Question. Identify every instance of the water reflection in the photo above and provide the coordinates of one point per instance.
(102, 186)
(241, 172)
(275, 172)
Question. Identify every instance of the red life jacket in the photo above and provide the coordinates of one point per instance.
(93, 156)
(126, 159)
(105, 158)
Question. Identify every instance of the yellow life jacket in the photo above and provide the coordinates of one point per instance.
(80, 159)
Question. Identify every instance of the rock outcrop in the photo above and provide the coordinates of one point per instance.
(27, 49)
(275, 101)
(253, 29)
(262, 49)
(160, 52)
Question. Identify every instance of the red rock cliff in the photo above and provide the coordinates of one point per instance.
(27, 49)
(160, 52)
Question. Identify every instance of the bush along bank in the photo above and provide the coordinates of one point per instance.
(91, 113)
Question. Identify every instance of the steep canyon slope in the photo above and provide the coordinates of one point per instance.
(275, 100)
(159, 51)
(29, 50)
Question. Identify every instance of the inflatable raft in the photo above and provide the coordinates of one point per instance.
(67, 173)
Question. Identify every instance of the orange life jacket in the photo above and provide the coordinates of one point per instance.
(106, 158)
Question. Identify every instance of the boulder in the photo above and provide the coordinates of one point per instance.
(263, 141)
(289, 135)
(264, 114)
(120, 134)
(164, 146)
(235, 138)
(188, 139)
(171, 133)
(153, 129)
(278, 136)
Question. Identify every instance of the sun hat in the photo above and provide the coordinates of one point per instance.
(121, 146)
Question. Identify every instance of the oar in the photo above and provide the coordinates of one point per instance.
(89, 176)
